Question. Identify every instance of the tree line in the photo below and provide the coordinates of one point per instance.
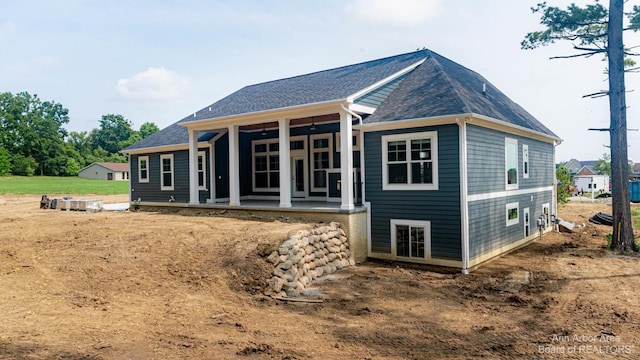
(33, 140)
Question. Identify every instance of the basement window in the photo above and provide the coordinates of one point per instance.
(411, 238)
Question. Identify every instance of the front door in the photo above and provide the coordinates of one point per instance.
(297, 177)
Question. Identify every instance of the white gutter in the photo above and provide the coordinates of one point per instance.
(352, 113)
(464, 204)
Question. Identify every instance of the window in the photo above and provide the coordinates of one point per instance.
(355, 141)
(202, 178)
(511, 163)
(143, 169)
(410, 161)
(266, 165)
(527, 222)
(322, 160)
(166, 172)
(525, 161)
(512, 213)
(411, 238)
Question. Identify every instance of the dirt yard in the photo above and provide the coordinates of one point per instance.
(149, 285)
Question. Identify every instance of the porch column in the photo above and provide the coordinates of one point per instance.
(194, 197)
(285, 163)
(234, 167)
(346, 161)
(212, 171)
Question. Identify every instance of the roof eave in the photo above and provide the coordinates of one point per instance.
(257, 116)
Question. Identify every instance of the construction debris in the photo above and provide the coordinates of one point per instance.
(601, 219)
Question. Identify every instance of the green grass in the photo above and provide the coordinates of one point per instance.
(635, 215)
(39, 185)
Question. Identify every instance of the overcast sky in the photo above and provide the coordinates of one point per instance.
(158, 61)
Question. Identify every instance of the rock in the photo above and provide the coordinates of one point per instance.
(341, 232)
(293, 292)
(343, 239)
(295, 259)
(304, 242)
(331, 256)
(283, 250)
(281, 294)
(312, 265)
(325, 251)
(334, 249)
(352, 262)
(334, 225)
(332, 234)
(299, 286)
(278, 272)
(305, 269)
(321, 244)
(319, 271)
(337, 264)
(285, 265)
(324, 237)
(274, 258)
(309, 249)
(347, 252)
(276, 284)
(288, 277)
(343, 247)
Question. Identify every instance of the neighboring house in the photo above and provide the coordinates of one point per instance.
(573, 166)
(432, 163)
(635, 172)
(105, 171)
(592, 183)
(585, 171)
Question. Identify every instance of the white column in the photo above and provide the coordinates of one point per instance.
(193, 167)
(234, 167)
(285, 163)
(346, 161)
(212, 172)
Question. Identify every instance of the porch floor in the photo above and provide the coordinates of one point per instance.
(268, 205)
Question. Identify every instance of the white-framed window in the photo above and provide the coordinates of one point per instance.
(266, 165)
(546, 214)
(166, 172)
(143, 169)
(410, 161)
(512, 212)
(411, 238)
(511, 163)
(322, 160)
(202, 177)
(525, 161)
(355, 141)
(527, 222)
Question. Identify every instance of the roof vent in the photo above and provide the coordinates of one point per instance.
(209, 108)
(194, 114)
(484, 88)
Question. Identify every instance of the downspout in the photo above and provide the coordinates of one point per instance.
(352, 113)
(464, 205)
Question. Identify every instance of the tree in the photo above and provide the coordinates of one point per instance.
(5, 162)
(147, 129)
(603, 165)
(564, 180)
(113, 132)
(596, 30)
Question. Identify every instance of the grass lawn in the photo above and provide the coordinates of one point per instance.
(38, 185)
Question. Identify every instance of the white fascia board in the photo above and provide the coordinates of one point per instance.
(265, 115)
(166, 148)
(362, 109)
(485, 121)
(408, 123)
(376, 85)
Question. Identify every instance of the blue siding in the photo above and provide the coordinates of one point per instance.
(377, 96)
(488, 218)
(486, 161)
(441, 207)
(151, 191)
(486, 175)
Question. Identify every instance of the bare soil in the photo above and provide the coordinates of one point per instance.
(173, 285)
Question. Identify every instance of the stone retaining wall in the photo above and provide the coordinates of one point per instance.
(307, 255)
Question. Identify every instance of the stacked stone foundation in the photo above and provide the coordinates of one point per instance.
(306, 256)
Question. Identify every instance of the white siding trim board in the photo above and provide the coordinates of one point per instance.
(506, 193)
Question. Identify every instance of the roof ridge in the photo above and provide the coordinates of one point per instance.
(454, 90)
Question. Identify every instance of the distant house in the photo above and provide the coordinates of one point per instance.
(105, 171)
(421, 159)
(592, 183)
(635, 172)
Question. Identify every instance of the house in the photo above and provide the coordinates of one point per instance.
(420, 159)
(105, 171)
(635, 172)
(592, 183)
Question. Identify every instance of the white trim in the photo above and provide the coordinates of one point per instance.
(426, 225)
(507, 143)
(202, 154)
(526, 221)
(464, 202)
(525, 161)
(547, 216)
(363, 109)
(355, 135)
(162, 172)
(140, 179)
(268, 171)
(165, 148)
(501, 194)
(511, 206)
(433, 137)
(312, 151)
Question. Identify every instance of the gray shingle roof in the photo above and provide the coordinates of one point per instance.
(440, 86)
(437, 87)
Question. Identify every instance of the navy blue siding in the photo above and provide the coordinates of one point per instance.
(441, 207)
(151, 191)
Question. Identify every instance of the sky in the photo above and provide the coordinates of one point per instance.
(160, 60)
